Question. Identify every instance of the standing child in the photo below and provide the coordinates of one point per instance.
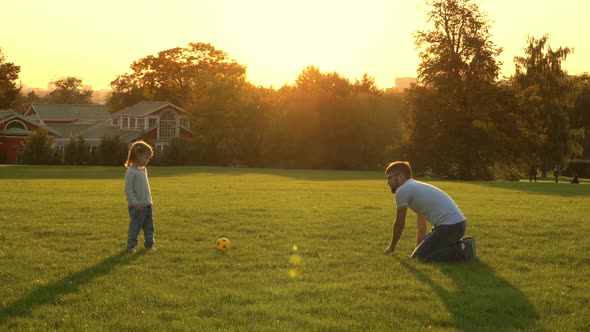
(139, 197)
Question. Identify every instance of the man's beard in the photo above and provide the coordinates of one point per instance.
(393, 189)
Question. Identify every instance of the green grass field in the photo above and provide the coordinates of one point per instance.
(63, 231)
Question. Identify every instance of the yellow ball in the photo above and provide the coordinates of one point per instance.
(223, 244)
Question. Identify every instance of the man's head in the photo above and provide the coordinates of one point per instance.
(398, 172)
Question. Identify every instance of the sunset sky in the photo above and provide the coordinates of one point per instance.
(275, 39)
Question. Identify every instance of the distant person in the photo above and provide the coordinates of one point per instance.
(556, 172)
(431, 204)
(575, 179)
(139, 197)
(533, 173)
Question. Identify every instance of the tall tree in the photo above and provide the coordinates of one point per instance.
(366, 86)
(539, 70)
(457, 73)
(126, 91)
(8, 75)
(324, 121)
(69, 90)
(175, 75)
(580, 113)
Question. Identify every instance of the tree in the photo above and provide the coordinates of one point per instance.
(125, 92)
(580, 113)
(366, 86)
(323, 121)
(457, 73)
(175, 75)
(312, 82)
(8, 75)
(68, 90)
(22, 102)
(539, 71)
(38, 149)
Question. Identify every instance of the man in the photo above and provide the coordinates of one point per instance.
(435, 206)
(533, 173)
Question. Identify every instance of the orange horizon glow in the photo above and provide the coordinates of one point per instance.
(275, 40)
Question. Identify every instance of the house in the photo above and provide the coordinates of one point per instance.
(14, 130)
(160, 121)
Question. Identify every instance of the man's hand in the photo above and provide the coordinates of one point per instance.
(138, 207)
(389, 250)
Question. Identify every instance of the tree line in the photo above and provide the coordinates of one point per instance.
(459, 121)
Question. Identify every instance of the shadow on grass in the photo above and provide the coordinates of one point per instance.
(49, 293)
(24, 172)
(539, 188)
(480, 300)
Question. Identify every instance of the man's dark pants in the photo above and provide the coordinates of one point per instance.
(442, 244)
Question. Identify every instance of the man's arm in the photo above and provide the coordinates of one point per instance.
(421, 221)
(398, 228)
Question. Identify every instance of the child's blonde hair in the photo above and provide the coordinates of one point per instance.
(138, 147)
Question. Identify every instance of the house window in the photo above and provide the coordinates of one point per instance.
(168, 125)
(132, 123)
(116, 122)
(151, 122)
(161, 150)
(185, 123)
(140, 123)
(124, 122)
(15, 124)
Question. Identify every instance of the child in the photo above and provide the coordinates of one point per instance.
(139, 197)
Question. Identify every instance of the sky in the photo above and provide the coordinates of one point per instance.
(275, 39)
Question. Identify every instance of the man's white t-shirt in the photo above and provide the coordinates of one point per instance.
(438, 207)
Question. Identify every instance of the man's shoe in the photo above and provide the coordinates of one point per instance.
(131, 250)
(469, 250)
(150, 248)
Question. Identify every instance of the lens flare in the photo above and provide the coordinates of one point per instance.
(296, 260)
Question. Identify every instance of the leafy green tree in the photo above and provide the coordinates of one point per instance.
(69, 90)
(539, 71)
(8, 75)
(323, 121)
(216, 115)
(38, 149)
(580, 114)
(126, 91)
(457, 73)
(175, 75)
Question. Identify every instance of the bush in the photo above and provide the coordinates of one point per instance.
(507, 172)
(112, 151)
(579, 167)
(178, 152)
(37, 149)
(76, 151)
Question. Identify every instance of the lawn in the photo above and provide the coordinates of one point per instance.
(306, 254)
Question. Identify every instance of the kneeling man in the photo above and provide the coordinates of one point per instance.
(431, 204)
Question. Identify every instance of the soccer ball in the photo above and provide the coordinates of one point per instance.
(223, 244)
